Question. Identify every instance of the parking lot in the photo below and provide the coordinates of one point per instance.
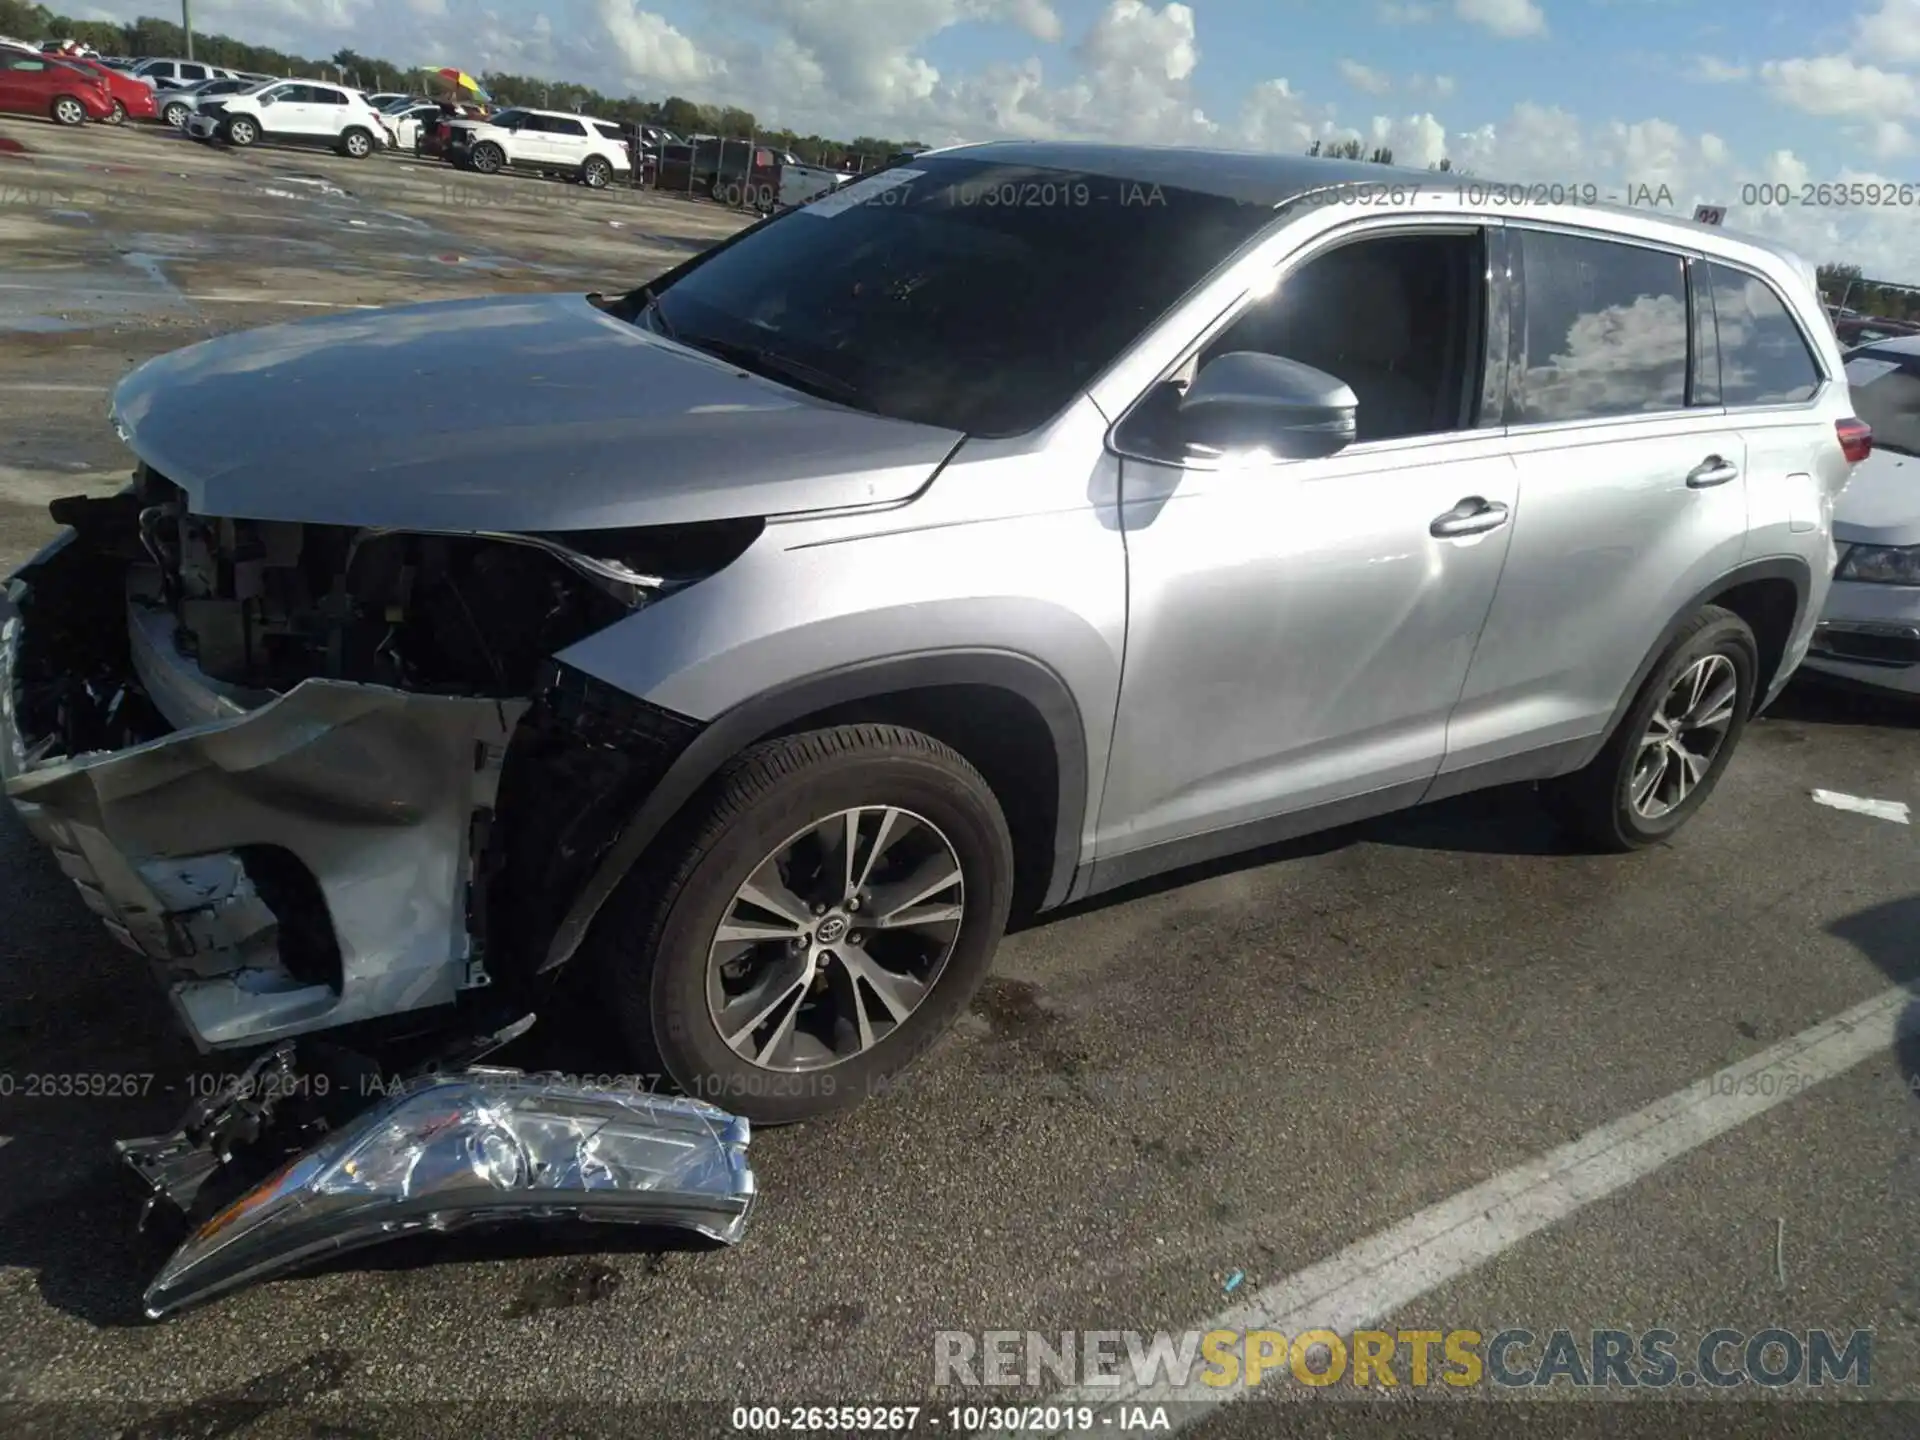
(1164, 1105)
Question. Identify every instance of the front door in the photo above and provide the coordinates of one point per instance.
(1298, 632)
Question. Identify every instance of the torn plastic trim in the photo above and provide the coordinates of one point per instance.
(447, 1152)
(373, 791)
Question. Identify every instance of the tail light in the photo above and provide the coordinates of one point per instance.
(1856, 439)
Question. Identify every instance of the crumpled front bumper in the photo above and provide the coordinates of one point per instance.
(299, 865)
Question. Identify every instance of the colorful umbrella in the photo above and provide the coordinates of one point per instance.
(459, 79)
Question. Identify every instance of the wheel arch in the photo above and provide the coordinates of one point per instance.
(1020, 705)
(1770, 595)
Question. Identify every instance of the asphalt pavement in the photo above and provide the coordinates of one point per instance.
(1164, 1106)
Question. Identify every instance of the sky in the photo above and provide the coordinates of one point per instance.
(1728, 102)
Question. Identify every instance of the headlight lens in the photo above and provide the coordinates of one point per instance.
(1881, 565)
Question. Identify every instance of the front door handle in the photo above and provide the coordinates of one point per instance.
(1710, 472)
(1474, 515)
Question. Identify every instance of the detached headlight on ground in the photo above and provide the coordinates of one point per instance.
(1881, 565)
(482, 1147)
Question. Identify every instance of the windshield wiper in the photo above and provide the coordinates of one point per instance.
(775, 366)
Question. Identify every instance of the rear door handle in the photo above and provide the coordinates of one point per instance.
(1710, 472)
(1472, 516)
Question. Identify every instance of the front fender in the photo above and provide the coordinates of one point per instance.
(812, 617)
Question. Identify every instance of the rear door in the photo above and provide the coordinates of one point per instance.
(1632, 495)
(566, 140)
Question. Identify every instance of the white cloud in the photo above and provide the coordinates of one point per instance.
(1443, 86)
(1372, 82)
(1837, 85)
(1715, 71)
(1511, 18)
(1405, 12)
(1890, 34)
(650, 51)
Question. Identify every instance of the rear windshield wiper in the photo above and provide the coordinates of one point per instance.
(775, 366)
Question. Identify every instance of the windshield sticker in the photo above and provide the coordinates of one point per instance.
(836, 202)
(1864, 371)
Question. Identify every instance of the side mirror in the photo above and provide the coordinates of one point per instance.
(1245, 400)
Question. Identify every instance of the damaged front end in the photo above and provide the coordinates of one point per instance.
(318, 775)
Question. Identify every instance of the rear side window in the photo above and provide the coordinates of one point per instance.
(1605, 330)
(1764, 358)
(562, 126)
(194, 72)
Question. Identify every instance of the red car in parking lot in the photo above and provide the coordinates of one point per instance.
(42, 85)
(131, 99)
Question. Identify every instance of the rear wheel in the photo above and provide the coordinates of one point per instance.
(356, 144)
(118, 115)
(596, 172)
(730, 194)
(816, 922)
(487, 158)
(1672, 745)
(242, 132)
(69, 111)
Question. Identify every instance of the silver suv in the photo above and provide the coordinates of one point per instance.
(1010, 525)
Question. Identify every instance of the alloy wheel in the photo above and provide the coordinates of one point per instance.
(1683, 736)
(835, 939)
(69, 112)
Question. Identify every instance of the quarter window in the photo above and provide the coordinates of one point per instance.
(1764, 358)
(1605, 331)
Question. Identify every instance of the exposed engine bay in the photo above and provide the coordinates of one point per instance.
(334, 780)
(323, 776)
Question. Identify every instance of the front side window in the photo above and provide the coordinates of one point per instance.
(963, 293)
(1605, 332)
(1399, 318)
(1764, 359)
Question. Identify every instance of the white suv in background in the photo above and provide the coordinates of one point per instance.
(295, 112)
(550, 141)
(175, 74)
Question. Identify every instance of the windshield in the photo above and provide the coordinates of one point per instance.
(976, 296)
(508, 117)
(1886, 394)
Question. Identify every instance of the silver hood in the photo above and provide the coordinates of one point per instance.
(510, 413)
(1881, 504)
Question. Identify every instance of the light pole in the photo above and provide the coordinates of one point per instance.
(186, 24)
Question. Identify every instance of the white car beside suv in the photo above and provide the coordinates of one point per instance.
(295, 112)
(549, 141)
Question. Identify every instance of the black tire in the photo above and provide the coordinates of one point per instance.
(66, 110)
(356, 143)
(119, 115)
(1596, 803)
(596, 172)
(650, 946)
(487, 158)
(176, 116)
(240, 131)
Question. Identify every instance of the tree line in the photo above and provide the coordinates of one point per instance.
(1842, 284)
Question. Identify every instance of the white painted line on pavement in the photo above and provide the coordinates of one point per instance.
(1377, 1276)
(64, 389)
(1892, 810)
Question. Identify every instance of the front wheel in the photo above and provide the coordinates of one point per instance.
(821, 916)
(242, 131)
(69, 111)
(487, 159)
(1674, 742)
(176, 116)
